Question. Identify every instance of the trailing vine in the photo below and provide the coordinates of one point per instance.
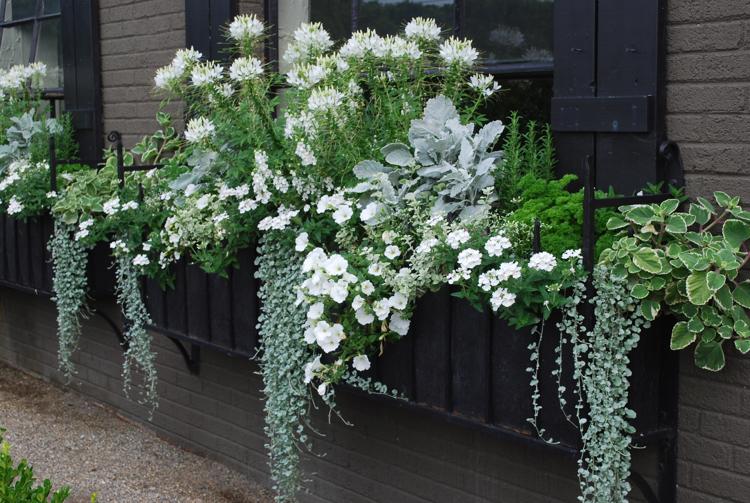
(138, 353)
(69, 257)
(283, 356)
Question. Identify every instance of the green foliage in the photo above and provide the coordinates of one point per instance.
(688, 264)
(18, 484)
(560, 212)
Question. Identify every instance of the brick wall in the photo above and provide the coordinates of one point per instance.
(708, 102)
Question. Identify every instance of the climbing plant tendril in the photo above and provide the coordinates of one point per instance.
(283, 355)
(69, 280)
(139, 356)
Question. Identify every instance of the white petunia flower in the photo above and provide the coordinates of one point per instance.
(382, 308)
(339, 291)
(369, 212)
(388, 237)
(357, 302)
(315, 311)
(361, 362)
(311, 368)
(426, 246)
(391, 252)
(496, 245)
(376, 269)
(199, 129)
(336, 265)
(321, 389)
(328, 336)
(363, 317)
(542, 261)
(203, 201)
(300, 244)
(399, 324)
(398, 301)
(342, 214)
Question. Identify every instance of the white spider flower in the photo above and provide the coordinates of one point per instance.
(361, 363)
(309, 40)
(542, 261)
(458, 52)
(185, 58)
(484, 84)
(305, 76)
(423, 30)
(167, 77)
(199, 129)
(205, 74)
(244, 27)
(324, 100)
(245, 68)
(141, 260)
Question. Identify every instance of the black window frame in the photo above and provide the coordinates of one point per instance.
(36, 21)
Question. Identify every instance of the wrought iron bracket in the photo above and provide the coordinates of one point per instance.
(115, 328)
(191, 355)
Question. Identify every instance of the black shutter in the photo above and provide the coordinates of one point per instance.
(205, 22)
(609, 89)
(82, 73)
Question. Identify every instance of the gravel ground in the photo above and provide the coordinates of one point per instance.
(87, 446)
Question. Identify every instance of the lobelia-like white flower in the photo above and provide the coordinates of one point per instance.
(568, 254)
(456, 238)
(496, 245)
(391, 252)
(130, 205)
(305, 154)
(81, 234)
(423, 30)
(245, 68)
(398, 301)
(246, 205)
(502, 298)
(244, 27)
(85, 224)
(198, 130)
(459, 52)
(469, 258)
(361, 363)
(336, 265)
(363, 317)
(14, 206)
(542, 261)
(426, 246)
(112, 206)
(205, 74)
(382, 308)
(484, 84)
(399, 324)
(300, 244)
(490, 279)
(141, 260)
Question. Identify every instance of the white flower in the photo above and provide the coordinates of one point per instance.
(490, 279)
(305, 154)
(327, 99)
(542, 261)
(456, 238)
(141, 260)
(167, 76)
(336, 265)
(247, 205)
(469, 258)
(342, 214)
(81, 234)
(321, 389)
(502, 298)
(426, 246)
(376, 269)
(184, 58)
(130, 205)
(314, 260)
(422, 29)
(199, 129)
(399, 324)
(312, 367)
(244, 27)
(300, 244)
(484, 84)
(328, 336)
(146, 247)
(339, 291)
(382, 308)
(458, 52)
(14, 206)
(496, 245)
(361, 363)
(363, 317)
(245, 68)
(388, 237)
(315, 311)
(310, 39)
(369, 212)
(203, 201)
(568, 254)
(189, 190)
(398, 301)
(220, 217)
(51, 194)
(391, 252)
(357, 302)
(112, 206)
(85, 224)
(205, 74)
(367, 287)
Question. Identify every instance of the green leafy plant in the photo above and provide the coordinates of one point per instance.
(18, 483)
(688, 264)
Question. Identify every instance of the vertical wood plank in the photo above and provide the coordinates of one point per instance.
(36, 249)
(220, 306)
(511, 395)
(176, 301)
(3, 248)
(396, 365)
(470, 360)
(11, 249)
(155, 302)
(431, 332)
(198, 313)
(244, 303)
(47, 232)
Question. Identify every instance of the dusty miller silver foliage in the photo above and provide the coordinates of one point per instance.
(139, 356)
(69, 282)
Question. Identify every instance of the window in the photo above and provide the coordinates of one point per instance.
(514, 37)
(30, 31)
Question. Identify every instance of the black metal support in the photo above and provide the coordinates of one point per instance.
(115, 328)
(192, 357)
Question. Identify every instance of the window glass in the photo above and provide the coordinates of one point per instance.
(16, 45)
(19, 9)
(49, 51)
(510, 30)
(335, 15)
(51, 7)
(531, 98)
(389, 17)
